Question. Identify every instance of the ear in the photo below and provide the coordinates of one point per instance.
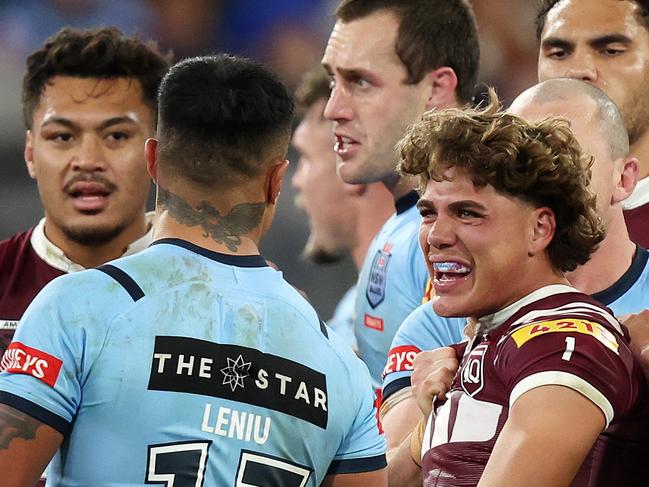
(543, 228)
(442, 84)
(29, 154)
(628, 177)
(151, 157)
(274, 177)
(356, 190)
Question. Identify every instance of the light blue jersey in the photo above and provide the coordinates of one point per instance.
(181, 366)
(391, 284)
(342, 321)
(425, 330)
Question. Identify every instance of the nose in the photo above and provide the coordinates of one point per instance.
(90, 155)
(582, 67)
(339, 105)
(440, 234)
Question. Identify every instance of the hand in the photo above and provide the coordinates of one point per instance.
(433, 376)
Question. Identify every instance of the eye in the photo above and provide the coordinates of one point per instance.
(118, 136)
(613, 51)
(427, 214)
(59, 137)
(556, 53)
(362, 83)
(465, 214)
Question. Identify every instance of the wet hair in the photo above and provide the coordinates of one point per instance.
(546, 5)
(93, 53)
(538, 163)
(432, 34)
(222, 119)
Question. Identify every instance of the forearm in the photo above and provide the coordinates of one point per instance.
(26, 447)
(402, 469)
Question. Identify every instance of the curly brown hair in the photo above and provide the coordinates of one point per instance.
(539, 163)
(93, 53)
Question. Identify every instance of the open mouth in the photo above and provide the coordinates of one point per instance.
(343, 145)
(89, 197)
(450, 271)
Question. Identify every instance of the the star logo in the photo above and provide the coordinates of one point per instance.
(235, 372)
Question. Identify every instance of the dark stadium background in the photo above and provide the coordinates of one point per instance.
(288, 35)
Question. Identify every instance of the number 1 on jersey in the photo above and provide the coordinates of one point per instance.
(570, 347)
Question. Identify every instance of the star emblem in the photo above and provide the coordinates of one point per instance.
(235, 372)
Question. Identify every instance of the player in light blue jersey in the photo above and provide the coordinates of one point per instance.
(391, 284)
(617, 273)
(343, 218)
(193, 363)
(389, 62)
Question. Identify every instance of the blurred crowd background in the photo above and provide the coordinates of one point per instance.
(287, 35)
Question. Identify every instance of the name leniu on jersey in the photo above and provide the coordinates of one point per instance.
(238, 383)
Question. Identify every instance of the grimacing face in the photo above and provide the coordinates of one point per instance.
(86, 152)
(476, 245)
(321, 193)
(370, 104)
(602, 43)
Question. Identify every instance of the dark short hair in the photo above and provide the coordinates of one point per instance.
(93, 53)
(546, 5)
(539, 163)
(222, 118)
(432, 34)
(314, 86)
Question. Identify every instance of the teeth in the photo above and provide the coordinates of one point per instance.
(454, 267)
(346, 140)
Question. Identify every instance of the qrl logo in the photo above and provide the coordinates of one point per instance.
(472, 373)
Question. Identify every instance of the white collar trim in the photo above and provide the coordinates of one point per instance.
(639, 197)
(56, 258)
(490, 322)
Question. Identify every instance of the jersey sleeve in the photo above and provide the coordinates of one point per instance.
(580, 354)
(46, 364)
(423, 329)
(363, 447)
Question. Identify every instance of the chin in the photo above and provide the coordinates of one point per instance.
(91, 235)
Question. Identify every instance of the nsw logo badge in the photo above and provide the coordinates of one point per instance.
(375, 291)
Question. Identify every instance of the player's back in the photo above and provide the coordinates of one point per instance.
(203, 366)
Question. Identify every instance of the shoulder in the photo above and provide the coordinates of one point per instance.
(425, 327)
(12, 247)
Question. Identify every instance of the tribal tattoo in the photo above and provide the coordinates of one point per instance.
(15, 424)
(224, 229)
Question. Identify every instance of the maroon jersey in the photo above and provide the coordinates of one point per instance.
(22, 275)
(554, 336)
(28, 261)
(636, 213)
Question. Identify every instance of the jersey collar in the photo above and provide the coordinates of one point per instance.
(639, 197)
(228, 259)
(628, 279)
(55, 257)
(406, 202)
(490, 322)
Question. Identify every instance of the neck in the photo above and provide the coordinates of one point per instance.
(401, 186)
(641, 150)
(609, 262)
(374, 207)
(89, 256)
(235, 229)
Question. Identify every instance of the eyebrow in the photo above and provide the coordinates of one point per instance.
(424, 203)
(102, 126)
(596, 42)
